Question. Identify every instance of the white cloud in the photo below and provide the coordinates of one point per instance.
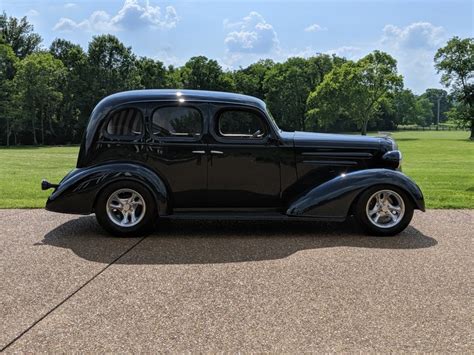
(251, 35)
(70, 5)
(98, 21)
(418, 35)
(315, 28)
(349, 52)
(414, 47)
(133, 15)
(32, 13)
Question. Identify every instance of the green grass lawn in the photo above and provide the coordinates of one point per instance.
(442, 163)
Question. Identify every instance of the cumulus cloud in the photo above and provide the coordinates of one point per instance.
(315, 28)
(251, 35)
(133, 15)
(70, 5)
(414, 47)
(418, 35)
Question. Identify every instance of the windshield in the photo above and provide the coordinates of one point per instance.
(272, 119)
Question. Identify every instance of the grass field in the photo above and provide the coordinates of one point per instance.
(442, 163)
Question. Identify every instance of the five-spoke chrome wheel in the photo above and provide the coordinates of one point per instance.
(126, 207)
(385, 209)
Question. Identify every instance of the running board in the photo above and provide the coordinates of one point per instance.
(246, 216)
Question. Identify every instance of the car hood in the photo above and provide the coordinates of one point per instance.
(312, 139)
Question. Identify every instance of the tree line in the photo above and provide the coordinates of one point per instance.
(47, 94)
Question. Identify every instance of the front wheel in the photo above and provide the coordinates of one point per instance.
(126, 209)
(384, 210)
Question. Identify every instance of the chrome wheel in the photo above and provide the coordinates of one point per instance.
(126, 207)
(385, 209)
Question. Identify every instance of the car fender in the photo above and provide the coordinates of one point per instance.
(333, 199)
(78, 190)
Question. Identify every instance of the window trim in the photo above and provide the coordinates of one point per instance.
(226, 139)
(176, 138)
(127, 138)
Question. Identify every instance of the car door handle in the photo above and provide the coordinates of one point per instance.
(199, 152)
(216, 152)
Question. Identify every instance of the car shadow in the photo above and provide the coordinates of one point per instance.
(204, 242)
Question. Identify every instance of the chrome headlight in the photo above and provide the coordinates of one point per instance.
(394, 158)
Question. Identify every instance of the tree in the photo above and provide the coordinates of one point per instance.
(152, 73)
(18, 33)
(456, 62)
(7, 72)
(37, 82)
(112, 67)
(73, 110)
(288, 85)
(444, 103)
(201, 73)
(355, 90)
(250, 80)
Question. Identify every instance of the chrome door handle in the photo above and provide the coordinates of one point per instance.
(216, 152)
(199, 152)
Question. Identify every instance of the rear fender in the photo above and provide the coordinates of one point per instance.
(333, 199)
(79, 189)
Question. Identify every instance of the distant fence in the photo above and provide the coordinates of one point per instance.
(430, 128)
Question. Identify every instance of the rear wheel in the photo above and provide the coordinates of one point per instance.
(126, 209)
(384, 210)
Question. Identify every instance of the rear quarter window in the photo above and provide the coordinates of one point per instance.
(125, 124)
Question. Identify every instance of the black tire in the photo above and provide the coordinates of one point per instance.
(148, 218)
(362, 218)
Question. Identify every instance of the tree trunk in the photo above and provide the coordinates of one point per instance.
(472, 130)
(364, 128)
(8, 131)
(42, 125)
(35, 141)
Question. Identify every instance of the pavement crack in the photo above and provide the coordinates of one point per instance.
(71, 295)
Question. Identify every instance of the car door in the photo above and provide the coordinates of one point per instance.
(244, 163)
(177, 151)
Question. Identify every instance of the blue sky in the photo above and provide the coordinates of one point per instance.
(237, 33)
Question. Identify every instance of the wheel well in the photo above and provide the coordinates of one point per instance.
(356, 198)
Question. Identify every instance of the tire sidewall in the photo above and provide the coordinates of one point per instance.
(363, 219)
(143, 227)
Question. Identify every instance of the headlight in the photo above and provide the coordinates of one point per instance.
(394, 158)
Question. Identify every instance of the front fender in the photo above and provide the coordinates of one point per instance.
(78, 190)
(333, 199)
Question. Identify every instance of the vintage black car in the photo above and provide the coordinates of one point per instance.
(150, 155)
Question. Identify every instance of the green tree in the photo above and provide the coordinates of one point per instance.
(355, 90)
(201, 73)
(287, 86)
(72, 111)
(112, 67)
(37, 83)
(423, 111)
(7, 72)
(250, 80)
(433, 95)
(456, 63)
(152, 73)
(18, 33)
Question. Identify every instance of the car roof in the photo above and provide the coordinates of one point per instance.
(180, 95)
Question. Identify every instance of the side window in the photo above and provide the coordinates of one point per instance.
(176, 121)
(240, 124)
(125, 123)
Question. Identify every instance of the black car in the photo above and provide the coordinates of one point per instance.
(148, 155)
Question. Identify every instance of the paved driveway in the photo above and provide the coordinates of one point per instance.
(236, 286)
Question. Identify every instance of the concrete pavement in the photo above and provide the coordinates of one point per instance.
(235, 286)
